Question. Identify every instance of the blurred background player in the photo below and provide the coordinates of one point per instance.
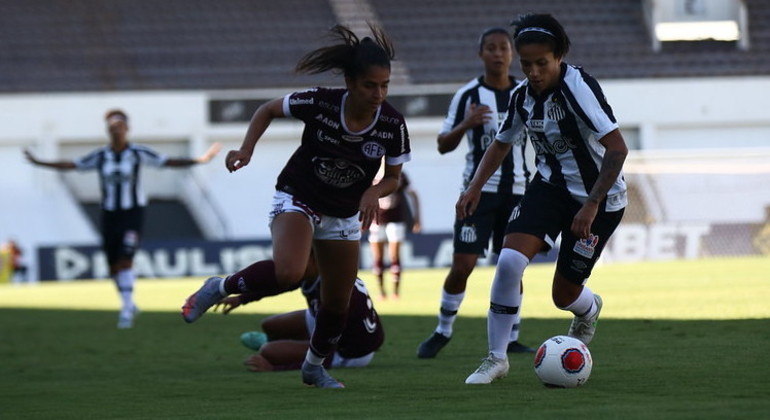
(476, 112)
(12, 262)
(123, 199)
(285, 338)
(324, 195)
(578, 191)
(398, 212)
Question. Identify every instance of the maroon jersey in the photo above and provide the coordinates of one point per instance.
(394, 207)
(363, 333)
(333, 166)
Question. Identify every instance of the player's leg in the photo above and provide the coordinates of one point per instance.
(278, 355)
(292, 238)
(286, 326)
(122, 241)
(377, 246)
(338, 264)
(577, 258)
(396, 233)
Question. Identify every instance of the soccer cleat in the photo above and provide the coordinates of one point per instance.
(429, 348)
(491, 368)
(126, 318)
(316, 375)
(516, 347)
(254, 339)
(584, 328)
(199, 302)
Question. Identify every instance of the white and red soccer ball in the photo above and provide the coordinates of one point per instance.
(563, 362)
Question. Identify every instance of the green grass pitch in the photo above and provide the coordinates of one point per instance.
(685, 339)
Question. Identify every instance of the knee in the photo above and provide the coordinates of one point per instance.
(288, 276)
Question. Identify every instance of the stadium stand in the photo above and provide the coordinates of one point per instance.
(98, 45)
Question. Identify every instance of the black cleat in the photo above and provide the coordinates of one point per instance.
(516, 347)
(429, 348)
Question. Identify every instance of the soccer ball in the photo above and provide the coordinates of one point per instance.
(563, 362)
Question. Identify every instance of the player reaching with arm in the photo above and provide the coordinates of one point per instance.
(324, 195)
(578, 190)
(123, 199)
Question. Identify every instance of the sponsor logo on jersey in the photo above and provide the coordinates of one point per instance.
(586, 247)
(372, 150)
(515, 213)
(468, 234)
(389, 120)
(338, 173)
(385, 135)
(536, 126)
(326, 105)
(578, 265)
(323, 138)
(300, 101)
(327, 121)
(352, 139)
(559, 146)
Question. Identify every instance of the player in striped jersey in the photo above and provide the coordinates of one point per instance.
(578, 191)
(123, 199)
(476, 112)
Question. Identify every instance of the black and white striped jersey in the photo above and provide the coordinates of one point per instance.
(564, 126)
(119, 174)
(512, 175)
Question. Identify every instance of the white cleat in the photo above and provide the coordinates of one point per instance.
(584, 328)
(491, 368)
(126, 318)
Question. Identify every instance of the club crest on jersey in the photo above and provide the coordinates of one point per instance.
(586, 247)
(536, 126)
(372, 150)
(556, 112)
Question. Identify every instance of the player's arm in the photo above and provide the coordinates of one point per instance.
(417, 226)
(204, 158)
(60, 164)
(491, 160)
(477, 115)
(370, 200)
(237, 159)
(614, 155)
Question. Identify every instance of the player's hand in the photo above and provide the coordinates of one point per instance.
(237, 159)
(478, 114)
(467, 203)
(227, 304)
(370, 203)
(581, 224)
(416, 227)
(30, 157)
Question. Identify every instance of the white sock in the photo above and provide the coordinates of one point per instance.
(516, 323)
(583, 306)
(125, 283)
(311, 358)
(505, 300)
(450, 304)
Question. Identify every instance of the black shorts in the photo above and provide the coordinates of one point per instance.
(121, 231)
(547, 211)
(471, 235)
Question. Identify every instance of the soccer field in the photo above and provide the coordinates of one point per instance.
(684, 339)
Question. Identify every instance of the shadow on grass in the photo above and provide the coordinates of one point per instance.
(76, 364)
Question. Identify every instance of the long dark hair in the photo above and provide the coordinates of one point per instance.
(350, 55)
(540, 29)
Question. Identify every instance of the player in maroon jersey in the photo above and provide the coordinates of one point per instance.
(286, 336)
(324, 195)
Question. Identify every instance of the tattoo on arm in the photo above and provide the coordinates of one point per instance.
(611, 166)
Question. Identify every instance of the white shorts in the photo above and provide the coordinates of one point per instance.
(324, 227)
(393, 232)
(337, 360)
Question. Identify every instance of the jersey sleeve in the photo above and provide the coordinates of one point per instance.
(89, 161)
(402, 151)
(456, 113)
(150, 157)
(512, 130)
(300, 105)
(591, 106)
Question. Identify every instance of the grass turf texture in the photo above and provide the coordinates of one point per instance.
(676, 340)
